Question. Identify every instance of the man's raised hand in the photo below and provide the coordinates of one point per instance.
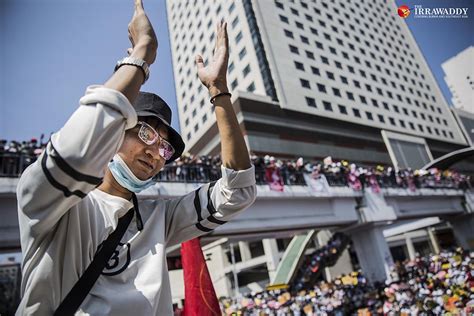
(141, 35)
(214, 75)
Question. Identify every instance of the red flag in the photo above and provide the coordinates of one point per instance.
(199, 296)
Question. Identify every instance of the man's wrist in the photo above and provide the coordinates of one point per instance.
(215, 90)
(144, 51)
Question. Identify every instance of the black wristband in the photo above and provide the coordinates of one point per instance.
(213, 99)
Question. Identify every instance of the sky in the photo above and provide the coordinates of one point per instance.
(51, 50)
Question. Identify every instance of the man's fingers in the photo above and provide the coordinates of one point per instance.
(224, 30)
(131, 39)
(199, 62)
(139, 5)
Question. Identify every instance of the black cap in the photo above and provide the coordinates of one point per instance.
(149, 104)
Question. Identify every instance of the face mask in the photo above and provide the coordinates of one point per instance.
(125, 177)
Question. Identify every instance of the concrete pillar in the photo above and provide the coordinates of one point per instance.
(272, 257)
(373, 253)
(433, 239)
(463, 228)
(410, 247)
(244, 251)
(216, 263)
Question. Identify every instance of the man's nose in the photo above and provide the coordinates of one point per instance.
(154, 151)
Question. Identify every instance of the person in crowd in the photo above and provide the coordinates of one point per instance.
(84, 184)
(434, 285)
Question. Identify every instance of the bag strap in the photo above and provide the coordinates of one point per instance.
(78, 293)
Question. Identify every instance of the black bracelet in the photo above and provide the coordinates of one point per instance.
(213, 99)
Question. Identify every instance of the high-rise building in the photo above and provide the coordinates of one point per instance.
(313, 79)
(338, 78)
(459, 72)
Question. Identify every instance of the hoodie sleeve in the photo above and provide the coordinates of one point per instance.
(74, 161)
(210, 206)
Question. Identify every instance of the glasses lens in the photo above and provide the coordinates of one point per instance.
(147, 134)
(166, 150)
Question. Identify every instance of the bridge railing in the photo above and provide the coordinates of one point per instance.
(12, 164)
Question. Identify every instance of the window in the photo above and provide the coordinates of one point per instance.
(282, 18)
(246, 70)
(232, 7)
(342, 109)
(344, 80)
(234, 22)
(279, 5)
(321, 88)
(369, 116)
(289, 34)
(315, 71)
(336, 92)
(381, 118)
(204, 118)
(350, 95)
(234, 84)
(196, 127)
(305, 83)
(294, 49)
(238, 37)
(295, 12)
(310, 55)
(327, 106)
(242, 53)
(251, 87)
(363, 99)
(304, 39)
(319, 45)
(356, 112)
(299, 65)
(299, 25)
(325, 60)
(311, 102)
(231, 67)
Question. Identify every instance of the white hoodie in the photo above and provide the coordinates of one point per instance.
(63, 218)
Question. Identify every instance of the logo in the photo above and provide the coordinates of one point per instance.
(117, 263)
(419, 11)
(403, 11)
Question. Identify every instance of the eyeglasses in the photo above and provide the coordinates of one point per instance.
(150, 136)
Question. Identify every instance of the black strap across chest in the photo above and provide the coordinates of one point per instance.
(78, 293)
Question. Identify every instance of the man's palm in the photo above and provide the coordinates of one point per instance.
(215, 72)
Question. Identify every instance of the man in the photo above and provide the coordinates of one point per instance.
(72, 198)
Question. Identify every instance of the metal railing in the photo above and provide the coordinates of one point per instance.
(12, 164)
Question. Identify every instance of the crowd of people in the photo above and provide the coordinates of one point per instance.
(325, 256)
(441, 284)
(16, 156)
(277, 173)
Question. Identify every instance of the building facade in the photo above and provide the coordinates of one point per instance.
(310, 78)
(459, 77)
